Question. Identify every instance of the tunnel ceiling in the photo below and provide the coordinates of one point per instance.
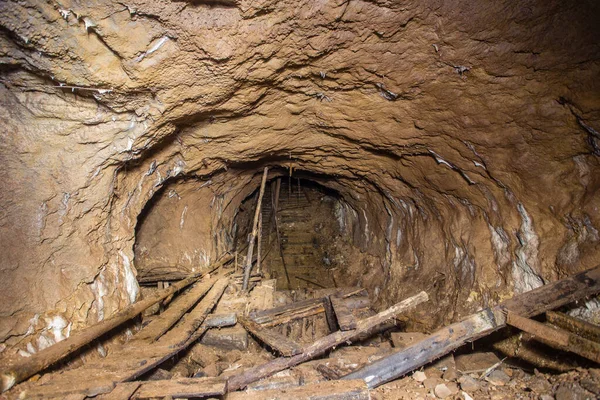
(464, 136)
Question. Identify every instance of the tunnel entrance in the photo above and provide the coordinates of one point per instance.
(300, 233)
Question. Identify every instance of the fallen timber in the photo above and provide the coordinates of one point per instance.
(478, 325)
(272, 339)
(328, 390)
(556, 337)
(41, 360)
(132, 359)
(323, 344)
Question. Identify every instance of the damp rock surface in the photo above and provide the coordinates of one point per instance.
(462, 138)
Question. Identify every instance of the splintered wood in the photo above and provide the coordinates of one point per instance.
(274, 340)
(132, 359)
(445, 340)
(288, 313)
(44, 358)
(190, 315)
(332, 390)
(556, 337)
(322, 345)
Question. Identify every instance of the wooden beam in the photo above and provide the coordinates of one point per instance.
(181, 388)
(329, 390)
(575, 325)
(329, 314)
(130, 361)
(556, 337)
(344, 316)
(174, 312)
(289, 312)
(475, 326)
(323, 344)
(248, 267)
(41, 360)
(123, 391)
(274, 340)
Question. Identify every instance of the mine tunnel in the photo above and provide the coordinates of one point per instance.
(282, 200)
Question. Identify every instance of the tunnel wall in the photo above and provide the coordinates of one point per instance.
(465, 137)
(177, 233)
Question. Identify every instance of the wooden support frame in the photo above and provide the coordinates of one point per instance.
(248, 267)
(556, 337)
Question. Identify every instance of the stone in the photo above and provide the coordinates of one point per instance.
(419, 376)
(539, 385)
(477, 361)
(546, 397)
(468, 384)
(212, 370)
(450, 374)
(452, 386)
(204, 355)
(591, 385)
(431, 383)
(442, 391)
(226, 338)
(571, 391)
(498, 378)
(159, 374)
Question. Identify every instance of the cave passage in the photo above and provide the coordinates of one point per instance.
(450, 148)
(301, 235)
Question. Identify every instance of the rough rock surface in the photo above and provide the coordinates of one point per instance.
(463, 136)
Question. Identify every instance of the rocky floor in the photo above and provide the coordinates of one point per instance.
(466, 375)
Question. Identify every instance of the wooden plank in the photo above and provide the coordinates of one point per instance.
(575, 325)
(41, 360)
(329, 390)
(133, 359)
(187, 329)
(323, 344)
(556, 337)
(344, 316)
(329, 314)
(274, 340)
(478, 325)
(181, 388)
(175, 311)
(123, 391)
(257, 213)
(289, 312)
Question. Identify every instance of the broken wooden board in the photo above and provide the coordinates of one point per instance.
(345, 318)
(180, 388)
(128, 361)
(41, 360)
(288, 312)
(122, 391)
(449, 338)
(556, 337)
(233, 338)
(575, 325)
(175, 311)
(329, 390)
(274, 340)
(323, 344)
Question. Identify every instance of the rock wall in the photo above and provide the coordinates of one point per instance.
(463, 137)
